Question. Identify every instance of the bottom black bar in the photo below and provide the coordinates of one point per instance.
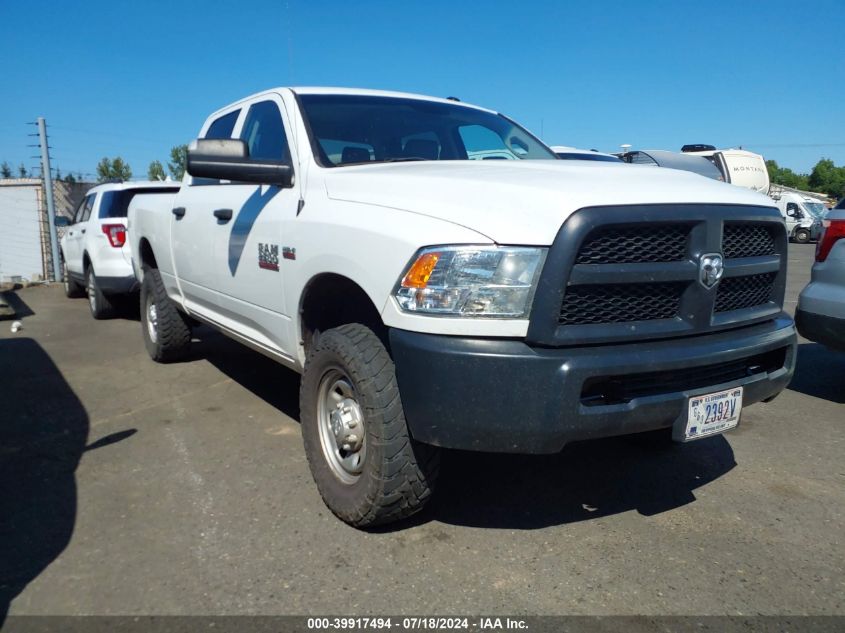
(361, 624)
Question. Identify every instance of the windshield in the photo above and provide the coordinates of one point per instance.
(816, 209)
(355, 129)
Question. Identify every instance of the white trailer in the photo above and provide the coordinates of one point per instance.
(739, 167)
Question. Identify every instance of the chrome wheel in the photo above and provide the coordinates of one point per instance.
(152, 320)
(341, 426)
(65, 279)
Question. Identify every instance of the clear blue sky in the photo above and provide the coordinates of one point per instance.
(135, 78)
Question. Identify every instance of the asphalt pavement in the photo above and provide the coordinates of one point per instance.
(128, 487)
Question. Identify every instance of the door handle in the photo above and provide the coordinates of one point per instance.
(179, 212)
(223, 214)
(82, 231)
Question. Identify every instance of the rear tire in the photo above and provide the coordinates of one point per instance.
(72, 289)
(366, 466)
(802, 236)
(167, 336)
(101, 306)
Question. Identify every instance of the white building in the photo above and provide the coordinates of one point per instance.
(25, 253)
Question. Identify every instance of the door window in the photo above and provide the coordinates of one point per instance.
(77, 215)
(222, 127)
(86, 209)
(264, 132)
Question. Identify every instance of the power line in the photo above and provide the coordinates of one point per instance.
(103, 134)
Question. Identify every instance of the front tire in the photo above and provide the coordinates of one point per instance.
(366, 466)
(101, 306)
(802, 236)
(167, 336)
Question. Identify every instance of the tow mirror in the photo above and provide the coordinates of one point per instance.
(228, 159)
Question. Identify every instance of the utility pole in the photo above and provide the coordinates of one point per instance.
(47, 175)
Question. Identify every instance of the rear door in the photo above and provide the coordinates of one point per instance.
(193, 228)
(249, 249)
(75, 235)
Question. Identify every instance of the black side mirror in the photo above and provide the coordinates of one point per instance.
(62, 221)
(228, 159)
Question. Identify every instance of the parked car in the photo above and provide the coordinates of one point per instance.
(435, 299)
(672, 160)
(803, 215)
(820, 315)
(573, 153)
(95, 254)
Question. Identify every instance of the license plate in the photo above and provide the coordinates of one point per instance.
(712, 413)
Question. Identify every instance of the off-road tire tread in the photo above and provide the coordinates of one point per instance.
(403, 479)
(174, 334)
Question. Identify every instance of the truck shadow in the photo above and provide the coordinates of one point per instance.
(43, 429)
(267, 379)
(819, 372)
(585, 481)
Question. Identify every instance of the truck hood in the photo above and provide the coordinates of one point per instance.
(522, 202)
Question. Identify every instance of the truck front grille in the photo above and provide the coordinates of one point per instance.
(736, 293)
(747, 240)
(622, 245)
(617, 274)
(618, 303)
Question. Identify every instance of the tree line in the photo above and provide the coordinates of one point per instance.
(117, 168)
(825, 178)
(114, 169)
(7, 171)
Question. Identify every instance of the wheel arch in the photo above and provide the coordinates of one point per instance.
(352, 304)
(146, 257)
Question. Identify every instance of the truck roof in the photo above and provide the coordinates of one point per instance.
(328, 90)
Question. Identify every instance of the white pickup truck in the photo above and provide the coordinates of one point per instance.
(440, 279)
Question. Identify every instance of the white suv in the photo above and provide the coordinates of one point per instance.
(95, 254)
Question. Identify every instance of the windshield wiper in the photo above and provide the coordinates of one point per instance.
(403, 159)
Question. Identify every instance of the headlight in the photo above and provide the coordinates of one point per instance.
(471, 281)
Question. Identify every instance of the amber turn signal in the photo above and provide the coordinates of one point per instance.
(419, 274)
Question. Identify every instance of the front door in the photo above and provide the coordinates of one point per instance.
(249, 251)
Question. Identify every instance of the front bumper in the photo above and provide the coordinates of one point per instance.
(505, 396)
(827, 330)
